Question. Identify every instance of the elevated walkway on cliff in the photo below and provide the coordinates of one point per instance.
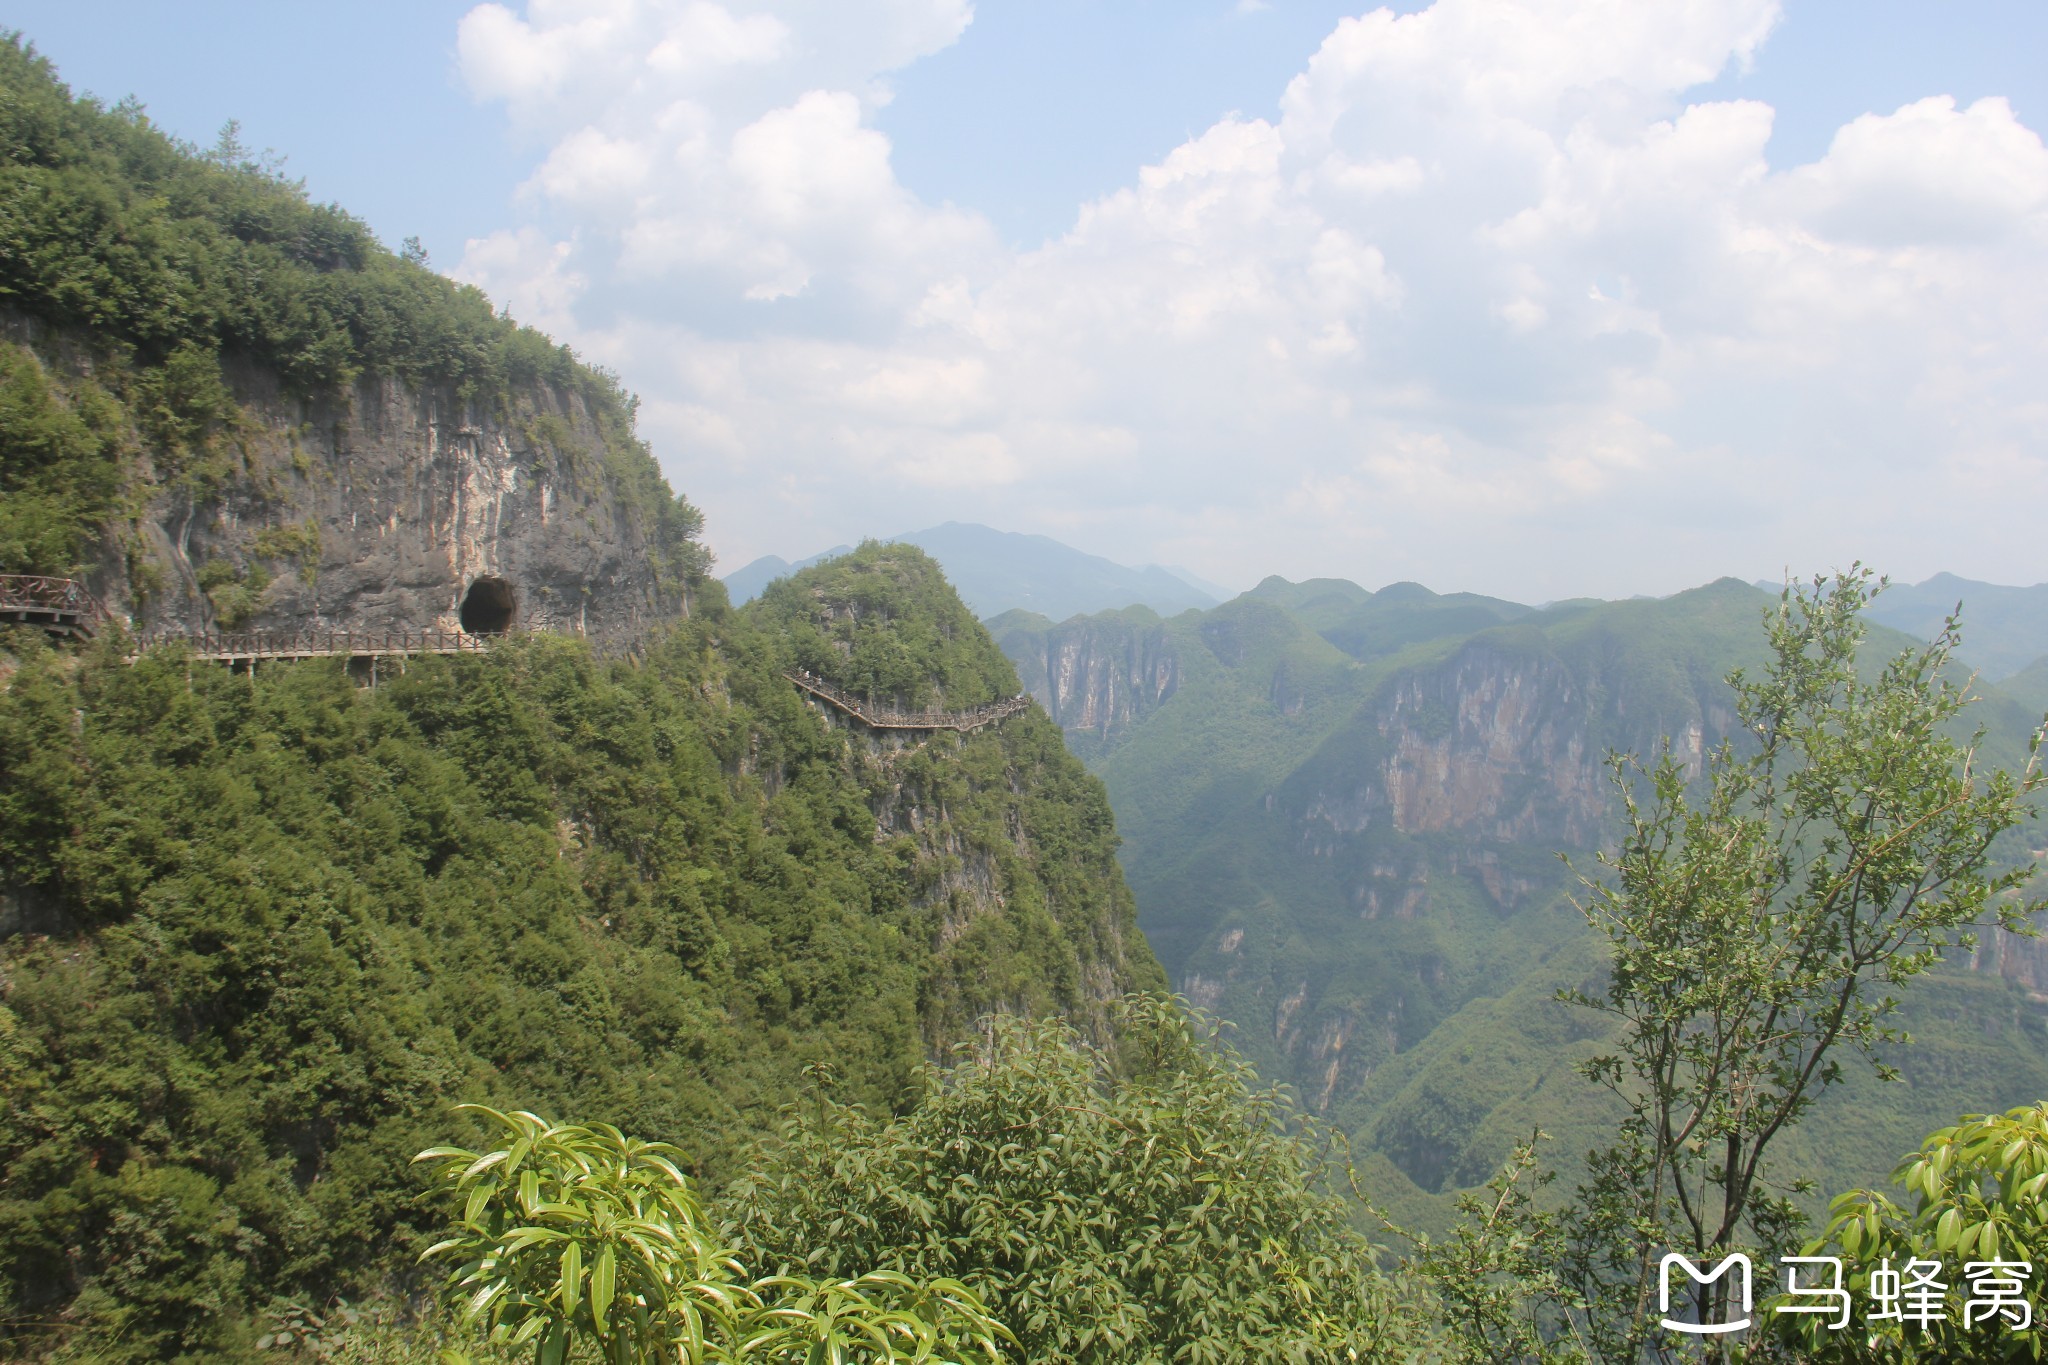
(62, 607)
(56, 606)
(262, 646)
(877, 718)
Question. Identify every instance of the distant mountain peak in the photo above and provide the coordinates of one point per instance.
(996, 571)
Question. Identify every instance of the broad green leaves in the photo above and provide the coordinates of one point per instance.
(1977, 1196)
(580, 1233)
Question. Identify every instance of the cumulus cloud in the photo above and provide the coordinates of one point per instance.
(1489, 304)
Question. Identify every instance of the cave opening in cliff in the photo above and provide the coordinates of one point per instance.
(489, 606)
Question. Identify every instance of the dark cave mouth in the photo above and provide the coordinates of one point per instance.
(489, 607)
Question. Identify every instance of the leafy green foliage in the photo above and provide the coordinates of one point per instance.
(262, 929)
(1756, 928)
(1497, 1271)
(60, 466)
(1172, 1210)
(581, 1234)
(1977, 1197)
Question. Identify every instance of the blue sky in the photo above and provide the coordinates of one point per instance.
(1455, 310)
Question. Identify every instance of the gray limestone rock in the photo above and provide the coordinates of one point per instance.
(395, 508)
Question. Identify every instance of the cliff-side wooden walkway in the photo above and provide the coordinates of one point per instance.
(62, 606)
(263, 646)
(876, 718)
(56, 606)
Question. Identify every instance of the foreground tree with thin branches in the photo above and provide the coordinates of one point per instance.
(1760, 913)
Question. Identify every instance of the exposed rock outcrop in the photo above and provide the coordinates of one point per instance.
(1097, 676)
(397, 509)
(385, 506)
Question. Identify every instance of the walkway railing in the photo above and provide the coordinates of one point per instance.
(60, 606)
(326, 644)
(870, 715)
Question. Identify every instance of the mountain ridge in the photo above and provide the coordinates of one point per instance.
(997, 571)
(1353, 853)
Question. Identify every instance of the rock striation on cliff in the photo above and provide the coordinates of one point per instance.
(1096, 676)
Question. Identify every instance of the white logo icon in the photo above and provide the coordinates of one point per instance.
(1736, 1261)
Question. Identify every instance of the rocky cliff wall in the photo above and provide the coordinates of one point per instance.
(1096, 676)
(383, 506)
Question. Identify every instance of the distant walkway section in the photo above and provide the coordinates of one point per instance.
(874, 717)
(56, 606)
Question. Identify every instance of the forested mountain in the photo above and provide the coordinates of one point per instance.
(997, 571)
(740, 880)
(229, 408)
(1342, 812)
(260, 929)
(2007, 627)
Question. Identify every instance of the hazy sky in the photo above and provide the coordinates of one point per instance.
(1534, 297)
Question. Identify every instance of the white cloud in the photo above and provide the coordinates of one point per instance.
(1488, 305)
(1928, 175)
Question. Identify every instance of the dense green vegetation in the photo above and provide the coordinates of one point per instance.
(1403, 979)
(1175, 1211)
(261, 931)
(60, 466)
(111, 227)
(146, 276)
(1976, 1196)
(579, 1239)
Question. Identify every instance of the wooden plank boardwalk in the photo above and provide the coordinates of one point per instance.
(263, 646)
(56, 606)
(876, 718)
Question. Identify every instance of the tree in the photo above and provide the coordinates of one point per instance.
(1168, 1210)
(572, 1233)
(1759, 913)
(1496, 1272)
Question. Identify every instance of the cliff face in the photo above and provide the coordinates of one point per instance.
(1491, 746)
(386, 506)
(1359, 868)
(1096, 676)
(417, 499)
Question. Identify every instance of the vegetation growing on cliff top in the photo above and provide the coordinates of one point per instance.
(162, 261)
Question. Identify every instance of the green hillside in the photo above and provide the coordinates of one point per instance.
(1373, 625)
(2005, 628)
(1367, 882)
(261, 931)
(2028, 688)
